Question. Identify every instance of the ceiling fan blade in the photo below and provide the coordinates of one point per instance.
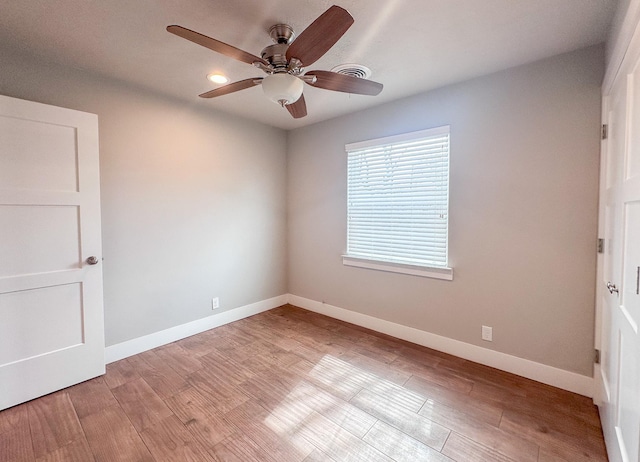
(345, 83)
(298, 109)
(215, 45)
(320, 36)
(232, 87)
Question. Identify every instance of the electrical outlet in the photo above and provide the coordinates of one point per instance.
(215, 303)
(487, 333)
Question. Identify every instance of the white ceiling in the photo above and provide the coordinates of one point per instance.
(410, 45)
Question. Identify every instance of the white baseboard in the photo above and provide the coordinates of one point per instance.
(559, 378)
(148, 342)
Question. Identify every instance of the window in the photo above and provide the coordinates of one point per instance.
(398, 203)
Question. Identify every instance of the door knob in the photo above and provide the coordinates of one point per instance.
(612, 288)
(92, 260)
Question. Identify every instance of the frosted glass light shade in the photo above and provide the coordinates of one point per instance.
(282, 88)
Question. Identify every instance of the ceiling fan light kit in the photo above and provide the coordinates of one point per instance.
(282, 88)
(284, 62)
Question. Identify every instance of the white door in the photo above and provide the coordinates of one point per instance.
(618, 377)
(51, 313)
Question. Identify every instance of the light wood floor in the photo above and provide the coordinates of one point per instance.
(288, 386)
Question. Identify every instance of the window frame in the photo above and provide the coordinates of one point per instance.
(444, 272)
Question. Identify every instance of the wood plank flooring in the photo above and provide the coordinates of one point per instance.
(289, 385)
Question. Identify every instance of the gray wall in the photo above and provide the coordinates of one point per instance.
(523, 212)
(193, 202)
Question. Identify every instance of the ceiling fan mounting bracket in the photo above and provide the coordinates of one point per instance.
(310, 79)
(295, 66)
(282, 33)
(263, 67)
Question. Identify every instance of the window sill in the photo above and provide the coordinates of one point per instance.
(414, 270)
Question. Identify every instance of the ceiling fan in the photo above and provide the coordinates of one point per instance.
(284, 61)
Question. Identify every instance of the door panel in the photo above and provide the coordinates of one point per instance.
(627, 424)
(632, 169)
(30, 328)
(631, 269)
(619, 304)
(26, 249)
(38, 155)
(52, 328)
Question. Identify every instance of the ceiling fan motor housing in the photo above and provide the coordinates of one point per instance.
(276, 55)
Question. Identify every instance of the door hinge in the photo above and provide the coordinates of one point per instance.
(600, 245)
(596, 356)
(605, 131)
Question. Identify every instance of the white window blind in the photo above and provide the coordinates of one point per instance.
(398, 198)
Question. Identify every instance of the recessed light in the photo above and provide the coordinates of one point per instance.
(217, 78)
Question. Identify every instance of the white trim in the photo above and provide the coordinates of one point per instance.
(621, 445)
(138, 345)
(414, 270)
(629, 318)
(605, 385)
(412, 136)
(549, 375)
(621, 45)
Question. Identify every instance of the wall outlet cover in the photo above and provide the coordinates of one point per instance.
(487, 333)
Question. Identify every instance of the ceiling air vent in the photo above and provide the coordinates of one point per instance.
(354, 70)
